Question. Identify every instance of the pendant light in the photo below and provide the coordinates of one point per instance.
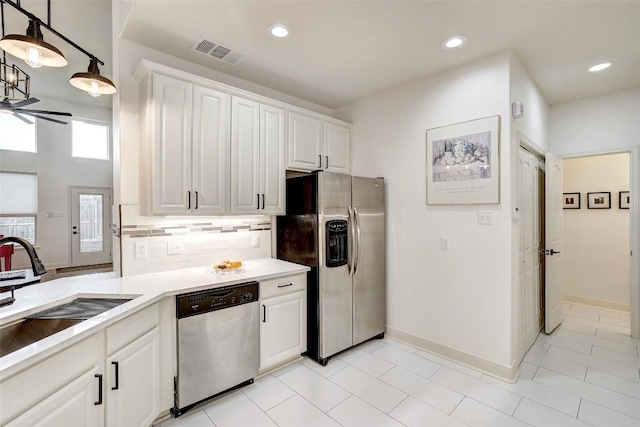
(92, 82)
(32, 48)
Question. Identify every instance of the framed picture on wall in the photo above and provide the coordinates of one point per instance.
(623, 200)
(601, 200)
(571, 201)
(462, 163)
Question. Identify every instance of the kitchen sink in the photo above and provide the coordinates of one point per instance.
(27, 331)
(31, 329)
(80, 308)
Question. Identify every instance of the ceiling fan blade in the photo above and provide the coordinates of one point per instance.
(48, 119)
(21, 117)
(26, 102)
(29, 111)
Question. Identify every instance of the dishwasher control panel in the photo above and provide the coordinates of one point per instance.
(215, 299)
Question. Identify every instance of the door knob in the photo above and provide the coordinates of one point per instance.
(551, 252)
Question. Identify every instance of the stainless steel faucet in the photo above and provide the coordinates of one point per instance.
(36, 266)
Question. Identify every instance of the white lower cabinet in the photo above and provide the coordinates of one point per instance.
(76, 404)
(111, 378)
(283, 325)
(132, 384)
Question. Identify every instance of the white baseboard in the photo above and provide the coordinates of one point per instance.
(502, 372)
(611, 305)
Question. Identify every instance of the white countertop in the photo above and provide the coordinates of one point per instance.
(145, 290)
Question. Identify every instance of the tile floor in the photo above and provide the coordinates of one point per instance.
(585, 374)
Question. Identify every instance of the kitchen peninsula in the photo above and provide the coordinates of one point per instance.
(137, 338)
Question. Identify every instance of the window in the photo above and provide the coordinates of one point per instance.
(90, 139)
(18, 205)
(16, 135)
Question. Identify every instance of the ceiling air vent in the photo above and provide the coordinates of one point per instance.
(217, 51)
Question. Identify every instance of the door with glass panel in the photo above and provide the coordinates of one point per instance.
(90, 226)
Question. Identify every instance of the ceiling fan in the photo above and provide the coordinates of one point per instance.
(18, 111)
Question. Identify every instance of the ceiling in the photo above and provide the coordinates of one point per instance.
(343, 51)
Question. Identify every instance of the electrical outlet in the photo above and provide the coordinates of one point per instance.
(444, 243)
(175, 248)
(255, 241)
(140, 249)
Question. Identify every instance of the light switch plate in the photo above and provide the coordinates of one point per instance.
(485, 217)
(175, 248)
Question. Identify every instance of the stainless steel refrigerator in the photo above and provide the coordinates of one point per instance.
(335, 224)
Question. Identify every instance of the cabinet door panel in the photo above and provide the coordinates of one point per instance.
(305, 142)
(72, 405)
(171, 145)
(136, 400)
(272, 140)
(283, 330)
(245, 156)
(337, 148)
(210, 150)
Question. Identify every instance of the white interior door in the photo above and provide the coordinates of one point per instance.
(553, 243)
(90, 222)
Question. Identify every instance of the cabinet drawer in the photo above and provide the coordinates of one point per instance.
(283, 285)
(129, 329)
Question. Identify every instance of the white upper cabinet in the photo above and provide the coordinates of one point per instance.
(210, 180)
(211, 149)
(316, 144)
(257, 157)
(337, 148)
(305, 142)
(189, 148)
(170, 145)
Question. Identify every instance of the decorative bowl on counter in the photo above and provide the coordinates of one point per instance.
(225, 267)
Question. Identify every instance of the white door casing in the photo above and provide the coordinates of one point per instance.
(553, 239)
(90, 225)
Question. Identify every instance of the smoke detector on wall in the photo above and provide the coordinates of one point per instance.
(218, 51)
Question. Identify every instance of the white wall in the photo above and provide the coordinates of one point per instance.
(598, 124)
(596, 242)
(459, 299)
(57, 170)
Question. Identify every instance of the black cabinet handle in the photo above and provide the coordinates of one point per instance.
(264, 313)
(115, 365)
(285, 286)
(258, 201)
(196, 200)
(188, 199)
(326, 162)
(99, 377)
(262, 200)
(320, 161)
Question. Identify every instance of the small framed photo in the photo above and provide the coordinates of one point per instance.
(571, 201)
(601, 200)
(623, 200)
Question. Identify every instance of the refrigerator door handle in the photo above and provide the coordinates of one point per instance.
(352, 226)
(356, 217)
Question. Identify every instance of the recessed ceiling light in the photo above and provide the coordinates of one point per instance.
(454, 42)
(279, 30)
(602, 66)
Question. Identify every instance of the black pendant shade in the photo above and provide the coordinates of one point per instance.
(32, 48)
(92, 82)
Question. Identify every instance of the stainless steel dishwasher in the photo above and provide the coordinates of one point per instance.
(218, 342)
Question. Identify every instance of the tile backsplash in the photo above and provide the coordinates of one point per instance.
(199, 240)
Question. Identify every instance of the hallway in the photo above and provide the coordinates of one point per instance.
(585, 374)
